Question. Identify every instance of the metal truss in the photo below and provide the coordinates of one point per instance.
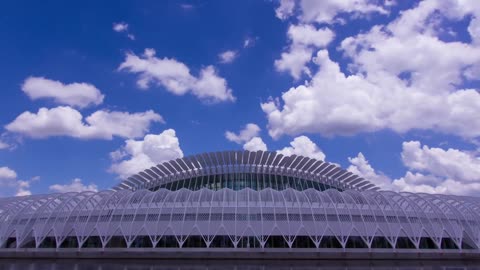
(288, 214)
(239, 163)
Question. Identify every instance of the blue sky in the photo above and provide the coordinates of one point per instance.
(92, 92)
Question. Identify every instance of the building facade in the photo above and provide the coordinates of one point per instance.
(243, 200)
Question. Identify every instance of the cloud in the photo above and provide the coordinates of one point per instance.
(185, 6)
(285, 9)
(303, 38)
(9, 181)
(23, 188)
(66, 121)
(303, 146)
(7, 173)
(430, 170)
(326, 11)
(399, 73)
(249, 42)
(255, 144)
(78, 95)
(333, 103)
(360, 166)
(175, 77)
(138, 155)
(247, 133)
(122, 27)
(227, 56)
(432, 65)
(435, 170)
(75, 186)
(3, 145)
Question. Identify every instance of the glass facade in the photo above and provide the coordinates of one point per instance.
(255, 181)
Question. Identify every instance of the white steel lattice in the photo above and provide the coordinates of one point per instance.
(236, 164)
(206, 213)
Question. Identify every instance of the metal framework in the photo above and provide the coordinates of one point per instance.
(236, 165)
(143, 212)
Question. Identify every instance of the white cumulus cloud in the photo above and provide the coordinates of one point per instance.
(122, 27)
(360, 166)
(78, 95)
(303, 146)
(10, 184)
(326, 11)
(66, 121)
(227, 56)
(333, 103)
(436, 170)
(247, 133)
(255, 144)
(4, 145)
(400, 73)
(7, 173)
(75, 186)
(303, 38)
(430, 170)
(138, 155)
(175, 77)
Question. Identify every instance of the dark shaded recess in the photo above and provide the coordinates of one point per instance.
(404, 242)
(330, 242)
(448, 243)
(167, 242)
(276, 241)
(380, 242)
(303, 241)
(467, 244)
(48, 242)
(92, 242)
(142, 241)
(194, 241)
(427, 243)
(116, 242)
(249, 242)
(69, 242)
(30, 243)
(355, 242)
(222, 241)
(10, 243)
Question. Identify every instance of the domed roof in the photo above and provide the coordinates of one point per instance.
(234, 164)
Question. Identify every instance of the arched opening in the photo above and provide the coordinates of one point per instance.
(249, 242)
(48, 242)
(11, 243)
(142, 241)
(29, 243)
(448, 243)
(276, 241)
(427, 243)
(380, 242)
(69, 242)
(194, 241)
(222, 241)
(303, 241)
(355, 242)
(404, 243)
(167, 241)
(116, 242)
(330, 242)
(92, 242)
(467, 243)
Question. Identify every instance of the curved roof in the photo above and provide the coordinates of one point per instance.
(261, 162)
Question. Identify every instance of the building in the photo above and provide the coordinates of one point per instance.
(241, 200)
